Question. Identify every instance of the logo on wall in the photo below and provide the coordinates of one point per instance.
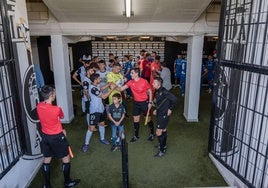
(19, 32)
(30, 94)
(30, 91)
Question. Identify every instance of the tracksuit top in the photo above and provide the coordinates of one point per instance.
(164, 100)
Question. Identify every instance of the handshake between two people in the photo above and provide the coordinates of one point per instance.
(119, 83)
(112, 85)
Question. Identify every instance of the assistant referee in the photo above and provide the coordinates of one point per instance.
(54, 142)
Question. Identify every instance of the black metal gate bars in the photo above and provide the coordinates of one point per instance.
(239, 122)
(10, 149)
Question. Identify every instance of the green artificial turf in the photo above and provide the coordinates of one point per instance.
(186, 163)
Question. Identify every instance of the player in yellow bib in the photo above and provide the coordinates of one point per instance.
(116, 77)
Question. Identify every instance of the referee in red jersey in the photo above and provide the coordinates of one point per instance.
(142, 95)
(54, 142)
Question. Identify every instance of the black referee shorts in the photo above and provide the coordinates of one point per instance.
(140, 108)
(54, 145)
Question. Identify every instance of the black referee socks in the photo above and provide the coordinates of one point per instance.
(46, 171)
(136, 129)
(66, 168)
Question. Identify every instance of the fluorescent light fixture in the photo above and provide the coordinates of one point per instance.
(145, 37)
(128, 8)
(110, 37)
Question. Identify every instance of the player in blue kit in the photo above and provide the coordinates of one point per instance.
(210, 69)
(183, 76)
(177, 69)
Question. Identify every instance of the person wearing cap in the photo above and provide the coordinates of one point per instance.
(82, 59)
(85, 57)
(54, 142)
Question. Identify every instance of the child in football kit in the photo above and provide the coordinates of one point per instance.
(116, 114)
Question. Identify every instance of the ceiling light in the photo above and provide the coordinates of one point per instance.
(145, 37)
(111, 37)
(128, 8)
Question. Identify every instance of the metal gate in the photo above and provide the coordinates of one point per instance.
(239, 121)
(10, 149)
